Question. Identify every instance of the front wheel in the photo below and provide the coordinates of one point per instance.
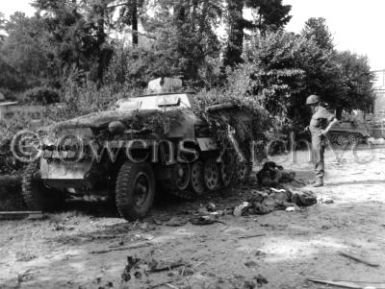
(36, 195)
(135, 190)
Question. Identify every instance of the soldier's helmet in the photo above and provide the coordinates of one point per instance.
(312, 99)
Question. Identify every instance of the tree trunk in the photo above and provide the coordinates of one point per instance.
(234, 49)
(134, 19)
(101, 38)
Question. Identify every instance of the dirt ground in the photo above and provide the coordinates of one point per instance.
(88, 248)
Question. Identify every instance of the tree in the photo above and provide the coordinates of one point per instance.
(3, 21)
(236, 23)
(316, 29)
(272, 15)
(78, 32)
(27, 49)
(287, 68)
(10, 79)
(98, 20)
(129, 14)
(358, 80)
(184, 39)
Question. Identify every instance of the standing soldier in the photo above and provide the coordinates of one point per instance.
(321, 122)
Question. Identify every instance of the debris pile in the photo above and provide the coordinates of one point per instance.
(137, 270)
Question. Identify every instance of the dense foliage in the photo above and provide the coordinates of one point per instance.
(95, 51)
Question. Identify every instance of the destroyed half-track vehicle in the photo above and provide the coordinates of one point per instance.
(349, 133)
(121, 153)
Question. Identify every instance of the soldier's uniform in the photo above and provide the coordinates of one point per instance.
(320, 120)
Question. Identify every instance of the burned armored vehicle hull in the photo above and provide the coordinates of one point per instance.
(139, 147)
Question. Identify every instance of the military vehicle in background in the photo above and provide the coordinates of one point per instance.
(182, 159)
(348, 132)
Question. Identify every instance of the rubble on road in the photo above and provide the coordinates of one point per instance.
(138, 269)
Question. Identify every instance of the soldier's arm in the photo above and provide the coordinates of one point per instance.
(331, 124)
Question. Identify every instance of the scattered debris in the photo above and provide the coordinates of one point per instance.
(251, 264)
(60, 227)
(144, 237)
(205, 220)
(358, 259)
(291, 209)
(176, 222)
(326, 200)
(138, 269)
(167, 267)
(257, 281)
(241, 209)
(260, 254)
(24, 277)
(146, 226)
(261, 280)
(131, 269)
(304, 198)
(211, 207)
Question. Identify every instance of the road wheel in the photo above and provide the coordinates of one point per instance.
(212, 174)
(36, 195)
(135, 190)
(354, 139)
(197, 183)
(227, 169)
(182, 176)
(244, 172)
(343, 140)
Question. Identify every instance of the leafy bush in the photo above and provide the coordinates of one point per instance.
(41, 95)
(8, 129)
(238, 92)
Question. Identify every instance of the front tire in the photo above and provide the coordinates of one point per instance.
(135, 190)
(36, 195)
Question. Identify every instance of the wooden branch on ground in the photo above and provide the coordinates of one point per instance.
(358, 259)
(252, 236)
(117, 249)
(337, 284)
(348, 284)
(167, 268)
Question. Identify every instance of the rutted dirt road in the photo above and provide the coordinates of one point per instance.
(84, 250)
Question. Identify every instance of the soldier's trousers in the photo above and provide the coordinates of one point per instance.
(318, 150)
